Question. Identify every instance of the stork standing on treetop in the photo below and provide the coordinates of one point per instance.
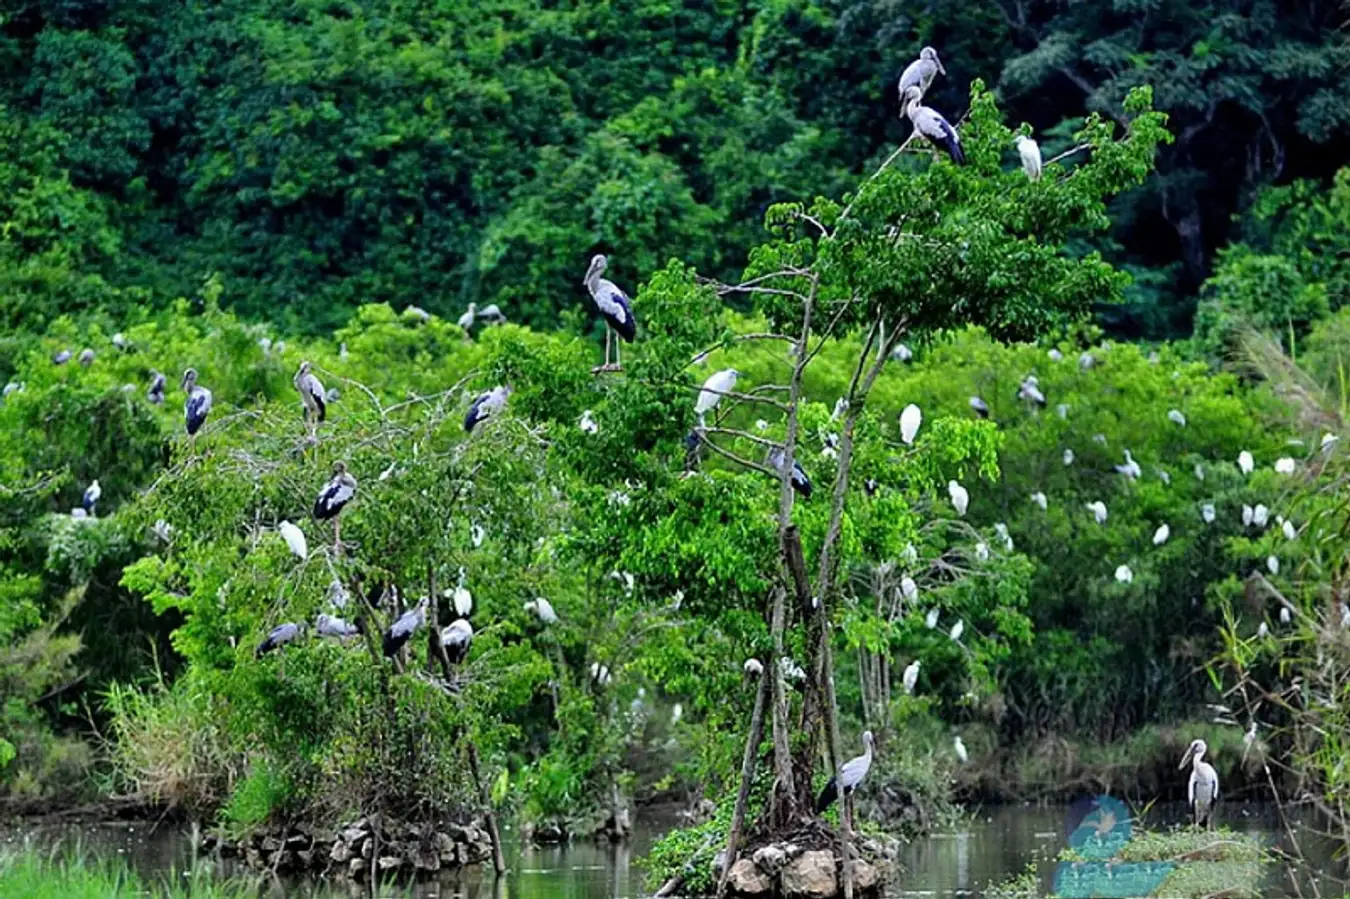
(312, 395)
(197, 407)
(333, 498)
(921, 72)
(614, 309)
(930, 125)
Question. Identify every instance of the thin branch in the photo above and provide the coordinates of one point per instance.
(740, 461)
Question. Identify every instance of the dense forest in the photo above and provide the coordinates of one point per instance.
(1064, 450)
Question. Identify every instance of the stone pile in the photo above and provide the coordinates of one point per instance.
(357, 849)
(790, 871)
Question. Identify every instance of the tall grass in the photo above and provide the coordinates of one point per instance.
(32, 875)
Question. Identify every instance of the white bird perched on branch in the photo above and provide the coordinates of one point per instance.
(710, 395)
(1260, 515)
(542, 609)
(1098, 510)
(1175, 416)
(1161, 534)
(1124, 575)
(911, 676)
(1285, 615)
(960, 497)
(1245, 462)
(486, 406)
(332, 626)
(1273, 563)
(295, 539)
(1001, 529)
(91, 496)
(1290, 532)
(920, 73)
(910, 419)
(957, 630)
(587, 423)
(462, 599)
(930, 125)
(1207, 512)
(850, 775)
(1039, 499)
(840, 407)
(902, 353)
(982, 551)
(279, 636)
(1247, 515)
(1203, 790)
(931, 619)
(613, 306)
(1030, 154)
(457, 639)
(1129, 468)
(1068, 457)
(908, 589)
(312, 395)
(1262, 631)
(398, 633)
(959, 747)
(1284, 465)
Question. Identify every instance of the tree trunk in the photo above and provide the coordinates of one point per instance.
(490, 819)
(747, 776)
(845, 802)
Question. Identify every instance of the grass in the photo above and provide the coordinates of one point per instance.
(1198, 863)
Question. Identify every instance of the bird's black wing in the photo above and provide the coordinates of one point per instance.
(827, 796)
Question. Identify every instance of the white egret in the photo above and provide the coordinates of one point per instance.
(542, 609)
(931, 619)
(1207, 513)
(1285, 615)
(1161, 534)
(1030, 154)
(295, 539)
(1002, 530)
(957, 630)
(1175, 416)
(1129, 468)
(1273, 563)
(982, 551)
(1247, 514)
(1290, 532)
(1039, 499)
(1245, 462)
(1124, 575)
(1098, 510)
(1284, 465)
(720, 383)
(910, 419)
(1068, 457)
(1260, 515)
(911, 676)
(959, 746)
(959, 496)
(587, 423)
(908, 589)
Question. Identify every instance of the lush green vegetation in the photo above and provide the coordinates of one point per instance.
(242, 187)
(30, 874)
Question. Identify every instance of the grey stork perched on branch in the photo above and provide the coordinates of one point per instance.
(197, 407)
(614, 308)
(313, 396)
(921, 72)
(1203, 789)
(401, 631)
(852, 774)
(492, 314)
(279, 636)
(979, 407)
(91, 496)
(800, 482)
(332, 626)
(156, 392)
(333, 498)
(485, 406)
(62, 357)
(86, 357)
(930, 125)
(457, 639)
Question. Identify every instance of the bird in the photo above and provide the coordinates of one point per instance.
(1262, 631)
(1245, 462)
(910, 419)
(86, 357)
(402, 630)
(1068, 457)
(710, 395)
(477, 535)
(920, 73)
(542, 609)
(1199, 472)
(1273, 564)
(979, 406)
(156, 392)
(614, 308)
(417, 312)
(753, 668)
(1247, 514)
(1124, 575)
(931, 619)
(62, 357)
(1030, 389)
(332, 626)
(1098, 510)
(16, 387)
(337, 595)
(1284, 465)
(1260, 515)
(600, 674)
(120, 341)
(911, 676)
(295, 539)
(276, 638)
(929, 124)
(800, 482)
(1129, 468)
(1062, 410)
(1161, 534)
(1203, 789)
(469, 316)
(850, 775)
(959, 747)
(334, 497)
(198, 404)
(1290, 532)
(1328, 440)
(1001, 529)
(840, 407)
(1039, 499)
(908, 589)
(457, 638)
(312, 395)
(960, 497)
(1086, 361)
(902, 353)
(492, 314)
(1030, 154)
(1285, 615)
(587, 423)
(957, 630)
(485, 406)
(91, 496)
(1055, 355)
(1175, 416)
(982, 551)
(462, 599)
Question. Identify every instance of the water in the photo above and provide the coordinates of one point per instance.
(998, 843)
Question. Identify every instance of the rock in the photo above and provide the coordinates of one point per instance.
(770, 859)
(270, 844)
(368, 848)
(253, 858)
(341, 852)
(356, 867)
(445, 848)
(427, 858)
(354, 834)
(810, 876)
(305, 857)
(297, 841)
(280, 860)
(390, 862)
(791, 850)
(866, 878)
(746, 879)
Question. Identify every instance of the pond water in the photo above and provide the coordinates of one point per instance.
(996, 844)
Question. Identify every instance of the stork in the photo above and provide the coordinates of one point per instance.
(911, 676)
(800, 482)
(156, 392)
(1030, 154)
(457, 638)
(86, 357)
(713, 389)
(197, 407)
(979, 406)
(850, 775)
(542, 609)
(312, 395)
(614, 309)
(279, 636)
(1203, 790)
(402, 630)
(486, 406)
(62, 357)
(332, 626)
(929, 124)
(468, 318)
(91, 496)
(334, 497)
(491, 314)
(920, 73)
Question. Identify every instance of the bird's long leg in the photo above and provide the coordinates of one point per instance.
(609, 333)
(337, 535)
(618, 355)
